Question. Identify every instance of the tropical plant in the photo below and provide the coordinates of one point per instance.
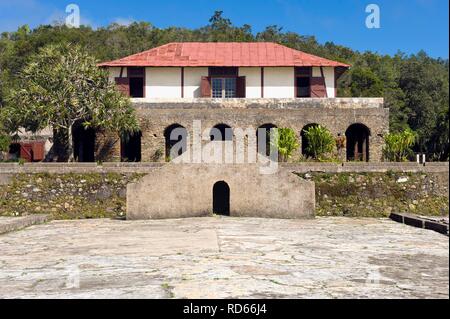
(285, 141)
(320, 141)
(62, 85)
(398, 146)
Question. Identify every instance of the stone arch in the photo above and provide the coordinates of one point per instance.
(224, 131)
(304, 140)
(83, 143)
(358, 142)
(221, 198)
(173, 135)
(266, 130)
(130, 147)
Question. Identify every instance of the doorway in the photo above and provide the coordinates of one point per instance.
(221, 199)
(83, 143)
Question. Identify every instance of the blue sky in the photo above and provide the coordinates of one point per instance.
(406, 25)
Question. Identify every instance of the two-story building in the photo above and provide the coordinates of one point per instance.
(236, 85)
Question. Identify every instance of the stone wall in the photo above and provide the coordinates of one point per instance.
(175, 191)
(155, 121)
(66, 196)
(336, 114)
(378, 194)
(80, 190)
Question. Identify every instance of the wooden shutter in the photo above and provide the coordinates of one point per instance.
(38, 149)
(240, 86)
(205, 86)
(26, 152)
(123, 85)
(318, 88)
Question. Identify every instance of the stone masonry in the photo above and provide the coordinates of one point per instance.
(336, 114)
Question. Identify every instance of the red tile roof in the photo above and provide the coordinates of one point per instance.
(237, 54)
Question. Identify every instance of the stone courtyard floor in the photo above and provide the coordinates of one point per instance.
(224, 258)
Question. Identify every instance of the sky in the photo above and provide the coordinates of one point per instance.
(405, 25)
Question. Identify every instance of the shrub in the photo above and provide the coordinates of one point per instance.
(398, 146)
(286, 141)
(320, 141)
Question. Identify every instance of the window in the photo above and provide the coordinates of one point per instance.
(223, 87)
(230, 87)
(303, 87)
(136, 77)
(136, 87)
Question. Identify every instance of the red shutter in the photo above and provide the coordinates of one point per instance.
(240, 86)
(205, 86)
(26, 152)
(123, 85)
(318, 88)
(38, 151)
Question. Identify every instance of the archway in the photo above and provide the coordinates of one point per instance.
(357, 136)
(130, 147)
(225, 132)
(305, 143)
(221, 199)
(175, 134)
(264, 131)
(83, 143)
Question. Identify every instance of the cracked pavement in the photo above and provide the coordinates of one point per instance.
(221, 257)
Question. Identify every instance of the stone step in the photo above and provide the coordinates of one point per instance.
(10, 224)
(421, 222)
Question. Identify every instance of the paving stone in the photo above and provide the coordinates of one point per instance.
(224, 258)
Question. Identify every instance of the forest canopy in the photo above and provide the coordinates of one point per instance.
(415, 87)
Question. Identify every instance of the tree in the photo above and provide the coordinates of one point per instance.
(286, 141)
(320, 141)
(398, 145)
(62, 85)
(415, 87)
(365, 83)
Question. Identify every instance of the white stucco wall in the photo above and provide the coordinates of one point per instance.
(192, 81)
(115, 73)
(252, 81)
(163, 82)
(329, 81)
(279, 82)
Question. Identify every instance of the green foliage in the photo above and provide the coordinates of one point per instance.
(414, 87)
(365, 83)
(62, 85)
(398, 145)
(5, 138)
(286, 141)
(320, 141)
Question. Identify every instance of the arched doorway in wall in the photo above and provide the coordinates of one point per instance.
(83, 143)
(305, 143)
(358, 147)
(221, 132)
(221, 199)
(175, 135)
(264, 130)
(130, 147)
